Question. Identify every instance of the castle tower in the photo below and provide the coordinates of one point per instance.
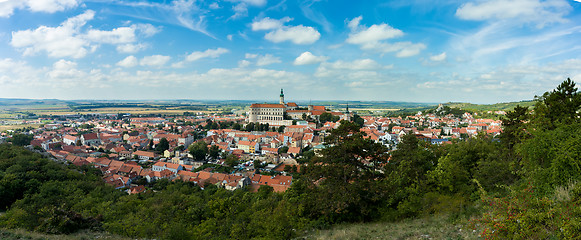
(281, 97)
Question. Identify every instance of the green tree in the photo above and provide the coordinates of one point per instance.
(328, 117)
(407, 177)
(513, 126)
(231, 160)
(199, 150)
(347, 171)
(21, 139)
(162, 145)
(283, 149)
(214, 152)
(358, 120)
(559, 106)
(249, 127)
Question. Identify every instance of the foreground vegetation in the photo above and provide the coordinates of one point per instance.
(524, 185)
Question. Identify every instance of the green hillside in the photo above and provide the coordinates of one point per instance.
(508, 106)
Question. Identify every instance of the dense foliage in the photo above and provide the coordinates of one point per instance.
(522, 185)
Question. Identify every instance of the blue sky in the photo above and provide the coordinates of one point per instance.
(483, 51)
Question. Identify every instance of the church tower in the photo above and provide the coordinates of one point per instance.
(281, 97)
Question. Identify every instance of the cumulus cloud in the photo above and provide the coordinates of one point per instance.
(375, 38)
(308, 58)
(130, 48)
(18, 73)
(210, 53)
(267, 60)
(359, 64)
(279, 32)
(535, 11)
(243, 63)
(49, 6)
(338, 68)
(115, 36)
(64, 69)
(250, 56)
(68, 39)
(297, 35)
(439, 58)
(154, 60)
(62, 41)
(269, 23)
(128, 62)
(373, 34)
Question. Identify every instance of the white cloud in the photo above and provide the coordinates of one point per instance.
(214, 6)
(267, 60)
(130, 48)
(269, 23)
(115, 36)
(68, 39)
(256, 3)
(128, 62)
(243, 63)
(374, 39)
(354, 23)
(374, 34)
(359, 64)
(62, 41)
(297, 35)
(535, 11)
(279, 32)
(240, 10)
(147, 29)
(342, 68)
(210, 53)
(154, 61)
(18, 73)
(308, 58)
(439, 58)
(250, 56)
(49, 6)
(64, 69)
(410, 49)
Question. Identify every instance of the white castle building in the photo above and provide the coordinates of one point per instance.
(275, 114)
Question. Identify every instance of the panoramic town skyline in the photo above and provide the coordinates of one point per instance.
(483, 51)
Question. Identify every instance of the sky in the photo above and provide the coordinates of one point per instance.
(483, 51)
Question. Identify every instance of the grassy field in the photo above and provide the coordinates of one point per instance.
(491, 107)
(16, 234)
(10, 127)
(426, 228)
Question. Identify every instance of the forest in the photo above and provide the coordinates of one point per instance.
(522, 185)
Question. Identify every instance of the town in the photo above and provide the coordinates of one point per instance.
(264, 146)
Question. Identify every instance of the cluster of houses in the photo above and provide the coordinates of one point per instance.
(123, 149)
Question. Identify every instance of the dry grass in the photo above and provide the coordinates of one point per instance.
(17, 126)
(13, 234)
(426, 228)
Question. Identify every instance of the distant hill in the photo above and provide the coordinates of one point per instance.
(508, 106)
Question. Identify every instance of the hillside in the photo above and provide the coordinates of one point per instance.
(434, 227)
(507, 106)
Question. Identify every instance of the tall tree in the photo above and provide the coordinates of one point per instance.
(513, 126)
(559, 106)
(162, 145)
(199, 150)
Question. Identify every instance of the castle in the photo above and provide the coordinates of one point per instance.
(283, 114)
